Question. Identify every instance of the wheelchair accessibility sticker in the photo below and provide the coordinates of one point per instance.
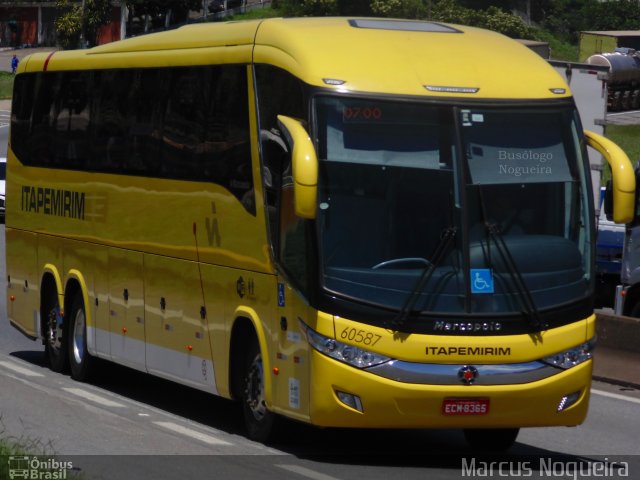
(481, 280)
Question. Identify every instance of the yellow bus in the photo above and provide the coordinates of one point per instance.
(349, 222)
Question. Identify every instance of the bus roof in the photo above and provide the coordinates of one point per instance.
(350, 54)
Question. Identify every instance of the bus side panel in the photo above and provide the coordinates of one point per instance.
(87, 260)
(292, 386)
(232, 295)
(23, 287)
(126, 321)
(177, 345)
(217, 323)
(99, 299)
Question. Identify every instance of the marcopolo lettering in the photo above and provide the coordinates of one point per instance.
(467, 326)
(468, 351)
(53, 201)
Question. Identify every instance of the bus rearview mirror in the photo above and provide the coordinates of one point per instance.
(304, 166)
(623, 181)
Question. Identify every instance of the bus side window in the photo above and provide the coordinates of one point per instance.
(72, 120)
(148, 101)
(274, 155)
(109, 119)
(280, 93)
(184, 122)
(21, 108)
(293, 239)
(227, 137)
(42, 134)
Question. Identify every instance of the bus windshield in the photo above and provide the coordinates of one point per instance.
(476, 208)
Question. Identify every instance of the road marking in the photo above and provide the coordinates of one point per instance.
(306, 472)
(93, 397)
(203, 437)
(21, 370)
(617, 396)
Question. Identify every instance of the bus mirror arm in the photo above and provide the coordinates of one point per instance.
(623, 180)
(304, 164)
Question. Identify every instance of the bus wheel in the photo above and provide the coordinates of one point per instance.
(258, 419)
(79, 358)
(55, 343)
(491, 439)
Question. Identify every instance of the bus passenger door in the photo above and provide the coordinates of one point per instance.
(126, 308)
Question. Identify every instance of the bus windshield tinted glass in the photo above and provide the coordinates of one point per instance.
(534, 154)
(397, 178)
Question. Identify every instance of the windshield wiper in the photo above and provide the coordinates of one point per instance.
(530, 310)
(442, 248)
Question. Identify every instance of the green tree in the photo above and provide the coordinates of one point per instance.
(612, 15)
(68, 24)
(145, 15)
(453, 11)
(79, 22)
(300, 8)
(564, 18)
(506, 23)
(400, 8)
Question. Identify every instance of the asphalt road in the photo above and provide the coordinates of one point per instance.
(126, 425)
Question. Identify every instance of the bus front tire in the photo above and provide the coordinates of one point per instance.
(80, 360)
(259, 421)
(491, 439)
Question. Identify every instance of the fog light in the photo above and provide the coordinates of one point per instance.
(350, 400)
(568, 400)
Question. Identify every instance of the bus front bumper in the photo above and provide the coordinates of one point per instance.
(343, 396)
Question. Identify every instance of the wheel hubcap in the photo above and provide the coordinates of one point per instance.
(255, 389)
(54, 329)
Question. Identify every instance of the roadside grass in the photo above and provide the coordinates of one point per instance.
(21, 452)
(628, 138)
(560, 50)
(6, 87)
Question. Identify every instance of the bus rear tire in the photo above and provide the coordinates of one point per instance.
(491, 439)
(55, 341)
(80, 360)
(258, 420)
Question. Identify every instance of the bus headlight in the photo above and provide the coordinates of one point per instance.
(572, 357)
(354, 356)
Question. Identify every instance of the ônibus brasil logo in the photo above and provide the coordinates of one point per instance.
(34, 468)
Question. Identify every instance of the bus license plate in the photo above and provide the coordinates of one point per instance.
(465, 406)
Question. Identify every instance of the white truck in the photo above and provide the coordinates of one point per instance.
(590, 87)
